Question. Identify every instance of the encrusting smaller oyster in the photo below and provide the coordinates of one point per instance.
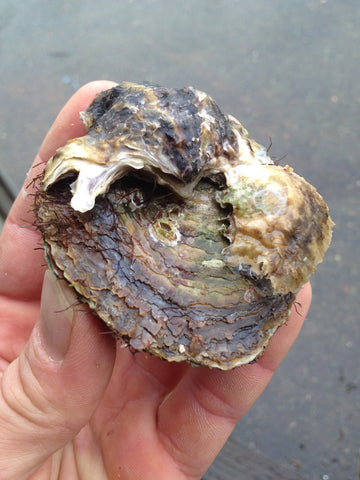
(176, 228)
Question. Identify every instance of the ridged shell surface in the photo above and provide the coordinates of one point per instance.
(176, 228)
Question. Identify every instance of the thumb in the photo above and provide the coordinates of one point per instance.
(50, 392)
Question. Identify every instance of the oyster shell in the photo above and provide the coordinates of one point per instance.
(176, 228)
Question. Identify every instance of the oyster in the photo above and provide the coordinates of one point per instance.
(176, 228)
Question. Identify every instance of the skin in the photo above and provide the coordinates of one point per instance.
(76, 404)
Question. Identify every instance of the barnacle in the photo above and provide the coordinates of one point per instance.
(176, 228)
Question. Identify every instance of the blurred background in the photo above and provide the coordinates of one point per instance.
(289, 71)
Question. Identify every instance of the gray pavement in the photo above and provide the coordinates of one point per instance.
(287, 70)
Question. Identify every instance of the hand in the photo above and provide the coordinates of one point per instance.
(74, 403)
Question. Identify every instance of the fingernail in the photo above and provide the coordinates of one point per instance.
(57, 316)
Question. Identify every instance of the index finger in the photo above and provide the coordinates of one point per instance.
(21, 274)
(202, 410)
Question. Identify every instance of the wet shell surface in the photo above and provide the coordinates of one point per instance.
(176, 228)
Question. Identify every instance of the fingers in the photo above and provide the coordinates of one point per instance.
(20, 259)
(285, 336)
(203, 409)
(50, 392)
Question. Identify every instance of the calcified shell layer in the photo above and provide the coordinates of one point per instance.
(176, 228)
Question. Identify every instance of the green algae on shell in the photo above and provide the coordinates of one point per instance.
(176, 228)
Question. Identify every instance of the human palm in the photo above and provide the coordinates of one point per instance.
(74, 403)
